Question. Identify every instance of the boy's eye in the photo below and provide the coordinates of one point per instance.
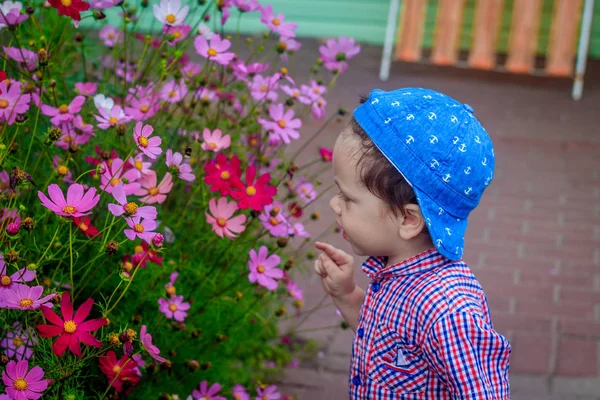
(342, 196)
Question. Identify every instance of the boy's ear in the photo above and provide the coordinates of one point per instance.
(412, 224)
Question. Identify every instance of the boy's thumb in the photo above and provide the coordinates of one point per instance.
(330, 267)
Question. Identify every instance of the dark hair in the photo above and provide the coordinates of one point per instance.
(379, 176)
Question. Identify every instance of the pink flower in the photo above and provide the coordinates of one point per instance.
(239, 393)
(140, 228)
(61, 169)
(174, 307)
(86, 88)
(283, 125)
(157, 240)
(151, 192)
(306, 191)
(191, 69)
(146, 340)
(178, 33)
(246, 5)
(294, 291)
(173, 91)
(296, 94)
(71, 137)
(214, 49)
(264, 88)
(220, 219)
(19, 342)
(326, 154)
(22, 383)
(298, 230)
(206, 393)
(335, 53)
(22, 55)
(129, 209)
(263, 268)
(276, 22)
(138, 163)
(111, 118)
(215, 141)
(101, 4)
(170, 12)
(170, 287)
(274, 220)
(269, 393)
(180, 169)
(110, 35)
(148, 146)
(12, 101)
(24, 297)
(12, 18)
(76, 204)
(19, 276)
(143, 102)
(64, 113)
(206, 95)
(115, 174)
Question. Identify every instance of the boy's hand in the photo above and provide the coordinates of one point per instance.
(336, 269)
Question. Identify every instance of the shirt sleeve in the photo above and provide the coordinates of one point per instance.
(469, 356)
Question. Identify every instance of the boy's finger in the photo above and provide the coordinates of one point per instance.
(338, 256)
(319, 269)
(330, 267)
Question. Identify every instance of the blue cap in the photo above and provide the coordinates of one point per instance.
(440, 148)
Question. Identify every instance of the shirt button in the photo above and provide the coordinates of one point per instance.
(356, 380)
(375, 286)
(360, 332)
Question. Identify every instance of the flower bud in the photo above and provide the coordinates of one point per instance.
(99, 15)
(289, 264)
(192, 365)
(4, 360)
(42, 57)
(28, 224)
(78, 37)
(157, 240)
(206, 365)
(112, 247)
(12, 256)
(29, 10)
(280, 311)
(54, 134)
(344, 325)
(113, 339)
(121, 129)
(282, 242)
(221, 338)
(315, 216)
(13, 228)
(17, 176)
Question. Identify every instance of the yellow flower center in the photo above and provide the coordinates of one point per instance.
(111, 35)
(139, 165)
(281, 123)
(131, 208)
(177, 34)
(171, 290)
(69, 209)
(212, 52)
(276, 210)
(70, 326)
(68, 139)
(170, 18)
(276, 22)
(295, 93)
(63, 109)
(26, 303)
(117, 369)
(250, 190)
(17, 341)
(273, 221)
(3, 103)
(264, 397)
(316, 91)
(62, 170)
(221, 221)
(115, 181)
(260, 269)
(153, 191)
(65, 3)
(143, 140)
(138, 249)
(225, 175)
(5, 280)
(263, 88)
(144, 108)
(212, 145)
(172, 93)
(139, 228)
(20, 383)
(83, 227)
(303, 190)
(113, 120)
(173, 307)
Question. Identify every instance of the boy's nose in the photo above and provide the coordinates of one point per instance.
(334, 204)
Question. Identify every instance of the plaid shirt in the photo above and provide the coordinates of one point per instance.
(425, 332)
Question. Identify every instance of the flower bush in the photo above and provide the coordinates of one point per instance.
(151, 218)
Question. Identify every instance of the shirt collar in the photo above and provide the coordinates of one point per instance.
(376, 267)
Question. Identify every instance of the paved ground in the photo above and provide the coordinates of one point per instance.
(534, 243)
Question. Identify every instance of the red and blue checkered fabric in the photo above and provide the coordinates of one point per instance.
(425, 332)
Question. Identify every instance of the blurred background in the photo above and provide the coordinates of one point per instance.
(534, 243)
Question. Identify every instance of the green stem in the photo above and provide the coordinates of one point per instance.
(71, 257)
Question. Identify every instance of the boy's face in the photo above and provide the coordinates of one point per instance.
(364, 218)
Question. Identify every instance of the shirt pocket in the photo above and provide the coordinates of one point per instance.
(396, 365)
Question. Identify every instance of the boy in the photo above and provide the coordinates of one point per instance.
(410, 167)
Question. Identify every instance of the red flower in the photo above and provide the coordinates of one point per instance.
(326, 154)
(2, 75)
(85, 225)
(126, 371)
(221, 175)
(71, 330)
(144, 254)
(253, 195)
(70, 8)
(105, 157)
(295, 210)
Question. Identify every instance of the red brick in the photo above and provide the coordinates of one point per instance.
(576, 268)
(498, 303)
(568, 295)
(505, 249)
(543, 293)
(578, 327)
(531, 353)
(489, 277)
(548, 277)
(521, 322)
(559, 310)
(577, 357)
(535, 250)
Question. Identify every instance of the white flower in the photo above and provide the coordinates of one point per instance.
(103, 102)
(169, 12)
(205, 31)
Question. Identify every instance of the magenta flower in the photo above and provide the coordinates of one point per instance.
(151, 192)
(178, 33)
(246, 5)
(146, 340)
(174, 307)
(180, 169)
(215, 141)
(86, 88)
(61, 169)
(22, 383)
(173, 91)
(274, 220)
(170, 12)
(283, 125)
(239, 393)
(144, 229)
(298, 230)
(110, 35)
(335, 53)
(276, 22)
(12, 101)
(221, 221)
(170, 287)
(24, 297)
(263, 268)
(306, 191)
(19, 342)
(269, 393)
(138, 163)
(214, 49)
(22, 56)
(76, 204)
(296, 94)
(111, 117)
(206, 95)
(264, 88)
(115, 175)
(319, 108)
(8, 7)
(143, 102)
(130, 209)
(64, 113)
(206, 393)
(9, 281)
(294, 291)
(148, 146)
(12, 18)
(191, 69)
